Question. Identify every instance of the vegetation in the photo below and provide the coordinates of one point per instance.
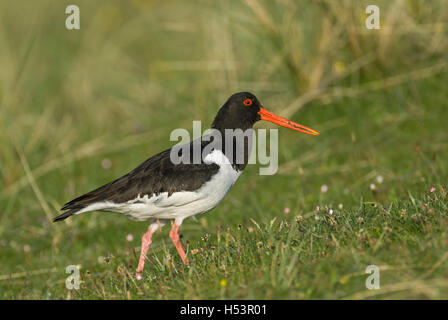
(82, 107)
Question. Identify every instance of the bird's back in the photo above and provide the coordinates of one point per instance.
(159, 188)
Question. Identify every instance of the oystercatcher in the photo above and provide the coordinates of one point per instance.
(160, 190)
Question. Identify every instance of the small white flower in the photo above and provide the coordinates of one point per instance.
(340, 206)
(372, 186)
(316, 218)
(330, 212)
(139, 276)
(317, 208)
(106, 164)
(26, 248)
(129, 237)
(324, 188)
(379, 179)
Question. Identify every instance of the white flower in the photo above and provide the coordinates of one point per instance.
(372, 186)
(129, 237)
(106, 164)
(340, 206)
(324, 188)
(379, 179)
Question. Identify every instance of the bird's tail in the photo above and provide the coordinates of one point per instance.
(65, 215)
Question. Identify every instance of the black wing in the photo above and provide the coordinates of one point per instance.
(156, 175)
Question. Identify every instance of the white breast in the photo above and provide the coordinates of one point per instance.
(179, 205)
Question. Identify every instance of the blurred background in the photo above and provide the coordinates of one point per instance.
(79, 108)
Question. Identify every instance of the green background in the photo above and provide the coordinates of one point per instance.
(79, 108)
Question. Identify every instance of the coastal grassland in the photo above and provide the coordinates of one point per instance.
(80, 108)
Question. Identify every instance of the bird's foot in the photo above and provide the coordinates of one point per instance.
(138, 276)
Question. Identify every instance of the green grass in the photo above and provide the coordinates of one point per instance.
(113, 91)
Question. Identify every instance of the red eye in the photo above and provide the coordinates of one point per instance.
(247, 102)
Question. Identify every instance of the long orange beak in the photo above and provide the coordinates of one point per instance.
(269, 116)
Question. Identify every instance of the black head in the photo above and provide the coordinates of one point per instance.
(243, 109)
(239, 112)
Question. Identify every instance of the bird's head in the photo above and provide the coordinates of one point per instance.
(243, 109)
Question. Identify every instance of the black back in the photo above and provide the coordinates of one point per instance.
(156, 175)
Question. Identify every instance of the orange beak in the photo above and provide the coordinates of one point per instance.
(269, 116)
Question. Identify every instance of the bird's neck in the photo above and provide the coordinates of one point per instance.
(236, 144)
(225, 119)
(235, 136)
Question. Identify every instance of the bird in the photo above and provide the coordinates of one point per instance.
(161, 190)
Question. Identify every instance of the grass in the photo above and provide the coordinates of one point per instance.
(79, 108)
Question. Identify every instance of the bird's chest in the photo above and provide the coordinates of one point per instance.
(214, 190)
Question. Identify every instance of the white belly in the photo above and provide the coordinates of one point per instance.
(179, 205)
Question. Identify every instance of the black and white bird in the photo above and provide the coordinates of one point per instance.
(162, 190)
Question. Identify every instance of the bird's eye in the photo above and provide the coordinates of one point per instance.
(247, 102)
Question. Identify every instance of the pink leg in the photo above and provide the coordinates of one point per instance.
(174, 235)
(146, 242)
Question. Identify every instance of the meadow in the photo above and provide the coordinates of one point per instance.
(79, 108)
